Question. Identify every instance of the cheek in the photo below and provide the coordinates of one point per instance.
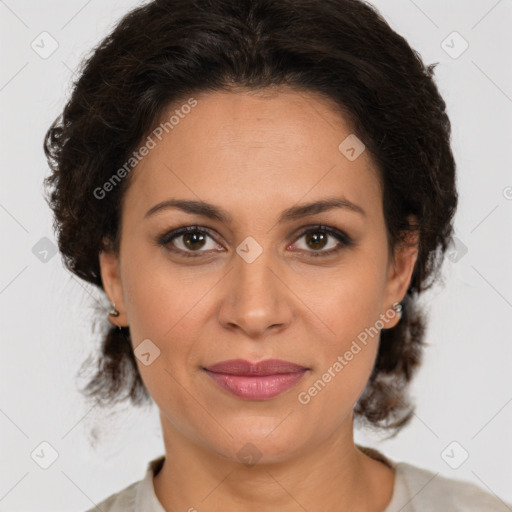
(332, 393)
(352, 313)
(169, 316)
(350, 304)
(347, 299)
(166, 305)
(346, 354)
(161, 296)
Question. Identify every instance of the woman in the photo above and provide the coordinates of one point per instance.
(263, 189)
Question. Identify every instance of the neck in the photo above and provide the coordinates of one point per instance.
(333, 476)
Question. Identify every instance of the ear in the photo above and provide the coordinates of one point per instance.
(112, 284)
(401, 267)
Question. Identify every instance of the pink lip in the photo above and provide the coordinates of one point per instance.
(256, 381)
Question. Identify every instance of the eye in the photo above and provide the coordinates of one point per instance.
(191, 241)
(316, 239)
(187, 241)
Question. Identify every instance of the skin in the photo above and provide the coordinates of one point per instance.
(255, 154)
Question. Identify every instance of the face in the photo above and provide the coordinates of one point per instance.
(257, 276)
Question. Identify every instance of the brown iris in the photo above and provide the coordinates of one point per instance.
(191, 239)
(317, 239)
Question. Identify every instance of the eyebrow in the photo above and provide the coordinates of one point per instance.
(293, 213)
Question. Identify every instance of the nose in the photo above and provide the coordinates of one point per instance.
(256, 299)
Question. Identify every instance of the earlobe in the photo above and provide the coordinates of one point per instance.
(401, 269)
(112, 284)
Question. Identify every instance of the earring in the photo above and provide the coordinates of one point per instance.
(398, 308)
(113, 311)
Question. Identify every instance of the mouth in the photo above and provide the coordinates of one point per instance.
(256, 381)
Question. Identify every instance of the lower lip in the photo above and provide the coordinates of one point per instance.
(256, 388)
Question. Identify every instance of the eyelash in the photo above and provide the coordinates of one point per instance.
(165, 239)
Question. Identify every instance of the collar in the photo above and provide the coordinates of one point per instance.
(147, 501)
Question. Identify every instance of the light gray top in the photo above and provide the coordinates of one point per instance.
(415, 490)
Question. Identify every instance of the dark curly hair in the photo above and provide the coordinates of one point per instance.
(167, 50)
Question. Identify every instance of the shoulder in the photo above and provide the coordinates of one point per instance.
(136, 497)
(123, 500)
(417, 489)
(426, 491)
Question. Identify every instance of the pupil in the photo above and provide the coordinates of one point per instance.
(317, 241)
(193, 238)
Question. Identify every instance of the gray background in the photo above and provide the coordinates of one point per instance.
(463, 391)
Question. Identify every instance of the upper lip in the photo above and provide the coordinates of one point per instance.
(246, 368)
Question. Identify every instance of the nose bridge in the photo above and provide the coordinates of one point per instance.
(255, 275)
(255, 299)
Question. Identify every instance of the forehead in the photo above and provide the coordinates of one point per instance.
(254, 150)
